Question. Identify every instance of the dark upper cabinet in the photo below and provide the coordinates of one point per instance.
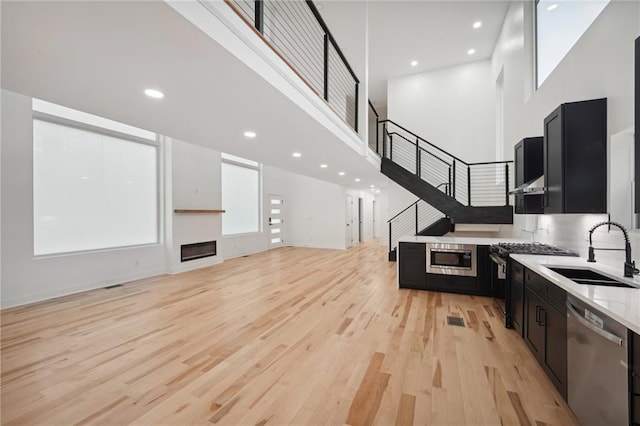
(528, 154)
(637, 125)
(575, 158)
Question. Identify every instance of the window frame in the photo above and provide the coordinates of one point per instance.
(245, 165)
(536, 79)
(66, 122)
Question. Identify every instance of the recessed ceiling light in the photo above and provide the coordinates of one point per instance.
(552, 6)
(249, 134)
(297, 154)
(414, 63)
(153, 93)
(357, 179)
(477, 24)
(471, 51)
(84, 177)
(324, 166)
(341, 173)
(372, 186)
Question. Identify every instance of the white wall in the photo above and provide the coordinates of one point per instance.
(26, 278)
(316, 213)
(314, 217)
(450, 107)
(599, 65)
(195, 185)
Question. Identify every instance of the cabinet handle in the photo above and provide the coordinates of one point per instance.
(538, 314)
(543, 311)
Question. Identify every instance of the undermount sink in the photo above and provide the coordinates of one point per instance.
(589, 277)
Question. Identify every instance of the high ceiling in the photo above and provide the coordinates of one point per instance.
(99, 56)
(437, 34)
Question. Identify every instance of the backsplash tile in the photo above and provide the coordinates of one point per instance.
(571, 231)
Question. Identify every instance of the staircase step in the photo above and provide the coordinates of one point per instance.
(458, 212)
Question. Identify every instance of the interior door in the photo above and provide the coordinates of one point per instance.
(275, 221)
(360, 230)
(349, 219)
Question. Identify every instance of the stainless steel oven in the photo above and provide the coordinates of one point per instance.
(451, 259)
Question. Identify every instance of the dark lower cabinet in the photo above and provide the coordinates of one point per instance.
(545, 330)
(555, 353)
(634, 378)
(452, 283)
(534, 330)
(412, 266)
(516, 280)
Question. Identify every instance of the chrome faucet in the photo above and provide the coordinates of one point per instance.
(629, 265)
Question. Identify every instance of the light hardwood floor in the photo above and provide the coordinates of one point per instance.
(290, 336)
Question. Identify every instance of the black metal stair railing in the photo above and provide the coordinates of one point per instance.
(471, 184)
(296, 30)
(411, 221)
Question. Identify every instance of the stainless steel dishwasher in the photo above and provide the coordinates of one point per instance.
(597, 381)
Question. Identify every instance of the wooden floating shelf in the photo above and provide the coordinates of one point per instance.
(198, 211)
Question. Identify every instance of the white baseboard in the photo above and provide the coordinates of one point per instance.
(196, 264)
(52, 294)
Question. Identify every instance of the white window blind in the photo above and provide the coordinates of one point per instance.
(91, 190)
(240, 198)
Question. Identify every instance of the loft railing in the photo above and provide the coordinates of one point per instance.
(471, 184)
(411, 220)
(295, 29)
(374, 118)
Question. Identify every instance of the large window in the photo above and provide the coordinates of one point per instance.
(240, 195)
(93, 188)
(559, 25)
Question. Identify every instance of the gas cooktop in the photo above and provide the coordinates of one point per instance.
(505, 249)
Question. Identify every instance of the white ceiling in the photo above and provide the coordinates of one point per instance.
(435, 33)
(98, 57)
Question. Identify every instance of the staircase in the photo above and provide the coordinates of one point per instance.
(451, 190)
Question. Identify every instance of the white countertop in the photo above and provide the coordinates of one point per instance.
(457, 240)
(621, 304)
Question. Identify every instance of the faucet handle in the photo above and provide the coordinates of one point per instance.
(630, 269)
(592, 255)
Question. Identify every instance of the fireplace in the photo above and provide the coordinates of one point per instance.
(197, 250)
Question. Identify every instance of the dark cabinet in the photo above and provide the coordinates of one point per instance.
(555, 353)
(637, 124)
(575, 158)
(634, 378)
(528, 154)
(412, 266)
(546, 327)
(516, 282)
(534, 330)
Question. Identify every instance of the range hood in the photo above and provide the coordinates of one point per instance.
(533, 187)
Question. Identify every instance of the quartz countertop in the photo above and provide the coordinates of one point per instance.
(621, 304)
(481, 241)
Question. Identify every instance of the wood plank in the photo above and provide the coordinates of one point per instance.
(288, 336)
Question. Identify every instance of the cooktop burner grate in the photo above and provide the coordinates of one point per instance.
(505, 249)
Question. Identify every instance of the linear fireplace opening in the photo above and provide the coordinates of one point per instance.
(197, 250)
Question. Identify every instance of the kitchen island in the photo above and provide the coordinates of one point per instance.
(450, 264)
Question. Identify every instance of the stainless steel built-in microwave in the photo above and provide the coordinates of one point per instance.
(451, 259)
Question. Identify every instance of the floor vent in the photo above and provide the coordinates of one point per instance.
(109, 287)
(197, 250)
(457, 321)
